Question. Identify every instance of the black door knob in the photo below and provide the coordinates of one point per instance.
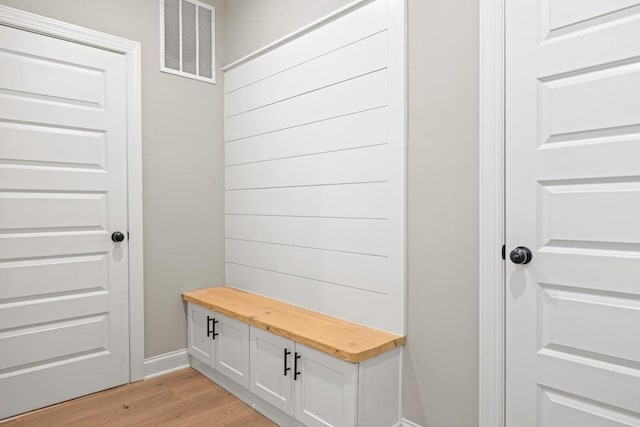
(117, 237)
(521, 255)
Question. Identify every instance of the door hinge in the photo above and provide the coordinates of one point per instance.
(128, 239)
(504, 251)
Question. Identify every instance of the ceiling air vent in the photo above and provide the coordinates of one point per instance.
(187, 39)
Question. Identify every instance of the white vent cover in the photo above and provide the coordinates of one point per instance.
(187, 39)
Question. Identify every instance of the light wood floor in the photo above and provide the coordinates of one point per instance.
(183, 398)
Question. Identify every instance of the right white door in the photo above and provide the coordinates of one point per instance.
(573, 198)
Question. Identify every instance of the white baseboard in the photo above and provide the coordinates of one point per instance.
(407, 423)
(166, 363)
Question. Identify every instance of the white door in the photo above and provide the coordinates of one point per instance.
(272, 369)
(232, 348)
(200, 340)
(325, 389)
(573, 198)
(63, 282)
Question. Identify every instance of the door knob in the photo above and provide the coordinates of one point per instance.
(117, 237)
(521, 255)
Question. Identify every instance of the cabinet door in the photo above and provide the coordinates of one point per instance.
(325, 390)
(232, 349)
(272, 371)
(200, 343)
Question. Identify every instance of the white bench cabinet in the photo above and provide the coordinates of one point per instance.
(325, 389)
(219, 341)
(313, 387)
(297, 367)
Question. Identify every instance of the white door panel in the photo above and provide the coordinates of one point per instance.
(573, 198)
(232, 348)
(50, 80)
(200, 342)
(561, 13)
(64, 327)
(53, 244)
(64, 210)
(53, 179)
(269, 380)
(325, 390)
(21, 279)
(562, 410)
(55, 339)
(46, 145)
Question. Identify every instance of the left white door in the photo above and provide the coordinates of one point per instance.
(63, 191)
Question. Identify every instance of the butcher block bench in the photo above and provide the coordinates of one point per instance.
(296, 366)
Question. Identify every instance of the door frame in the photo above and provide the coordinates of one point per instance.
(131, 50)
(492, 320)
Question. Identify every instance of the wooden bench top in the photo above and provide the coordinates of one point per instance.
(340, 338)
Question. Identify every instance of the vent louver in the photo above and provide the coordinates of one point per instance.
(188, 39)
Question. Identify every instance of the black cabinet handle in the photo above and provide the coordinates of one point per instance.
(209, 327)
(286, 369)
(215, 334)
(295, 366)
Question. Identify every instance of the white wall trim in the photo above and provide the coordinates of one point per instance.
(398, 108)
(62, 30)
(491, 276)
(298, 33)
(166, 363)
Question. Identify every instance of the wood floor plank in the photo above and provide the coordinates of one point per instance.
(182, 398)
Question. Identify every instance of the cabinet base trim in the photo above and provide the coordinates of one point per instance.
(165, 363)
(266, 409)
(407, 423)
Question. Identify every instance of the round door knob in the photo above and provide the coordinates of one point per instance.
(117, 237)
(521, 255)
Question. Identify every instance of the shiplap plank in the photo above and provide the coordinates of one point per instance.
(360, 271)
(363, 22)
(357, 59)
(349, 235)
(362, 93)
(367, 164)
(351, 131)
(367, 308)
(337, 201)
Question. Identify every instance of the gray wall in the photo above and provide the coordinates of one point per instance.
(440, 386)
(184, 174)
(255, 23)
(440, 380)
(183, 164)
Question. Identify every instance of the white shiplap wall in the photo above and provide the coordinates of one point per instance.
(315, 166)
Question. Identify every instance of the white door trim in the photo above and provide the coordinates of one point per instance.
(53, 28)
(492, 221)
